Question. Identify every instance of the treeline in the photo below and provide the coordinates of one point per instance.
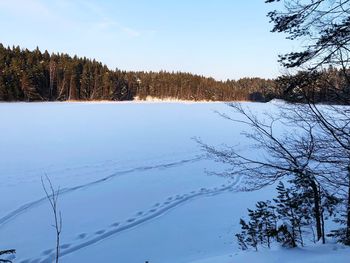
(329, 85)
(186, 86)
(39, 76)
(34, 76)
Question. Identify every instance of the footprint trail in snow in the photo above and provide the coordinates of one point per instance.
(83, 240)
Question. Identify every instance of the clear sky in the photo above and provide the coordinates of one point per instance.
(218, 38)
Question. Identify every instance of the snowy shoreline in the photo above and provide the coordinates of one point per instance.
(148, 100)
(119, 102)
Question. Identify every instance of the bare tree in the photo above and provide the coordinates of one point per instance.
(324, 28)
(52, 195)
(334, 150)
(283, 156)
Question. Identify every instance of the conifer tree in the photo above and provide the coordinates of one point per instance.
(287, 209)
(248, 236)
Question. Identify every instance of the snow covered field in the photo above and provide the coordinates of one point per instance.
(134, 184)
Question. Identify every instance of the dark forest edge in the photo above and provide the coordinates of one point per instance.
(39, 76)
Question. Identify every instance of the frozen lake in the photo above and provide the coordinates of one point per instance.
(134, 182)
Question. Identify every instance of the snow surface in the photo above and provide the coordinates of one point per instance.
(133, 181)
(315, 254)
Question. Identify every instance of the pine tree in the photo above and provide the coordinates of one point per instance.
(287, 207)
(261, 227)
(248, 236)
(265, 213)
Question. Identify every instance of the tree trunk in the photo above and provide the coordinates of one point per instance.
(317, 209)
(322, 224)
(301, 235)
(347, 241)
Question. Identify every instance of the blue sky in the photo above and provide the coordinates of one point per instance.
(218, 38)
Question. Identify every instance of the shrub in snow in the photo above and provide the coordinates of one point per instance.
(10, 252)
(286, 218)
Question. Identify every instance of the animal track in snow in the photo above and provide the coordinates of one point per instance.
(47, 252)
(65, 246)
(28, 206)
(134, 222)
(82, 236)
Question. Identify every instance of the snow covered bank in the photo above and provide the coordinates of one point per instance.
(334, 253)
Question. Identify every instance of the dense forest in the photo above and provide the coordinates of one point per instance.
(39, 76)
